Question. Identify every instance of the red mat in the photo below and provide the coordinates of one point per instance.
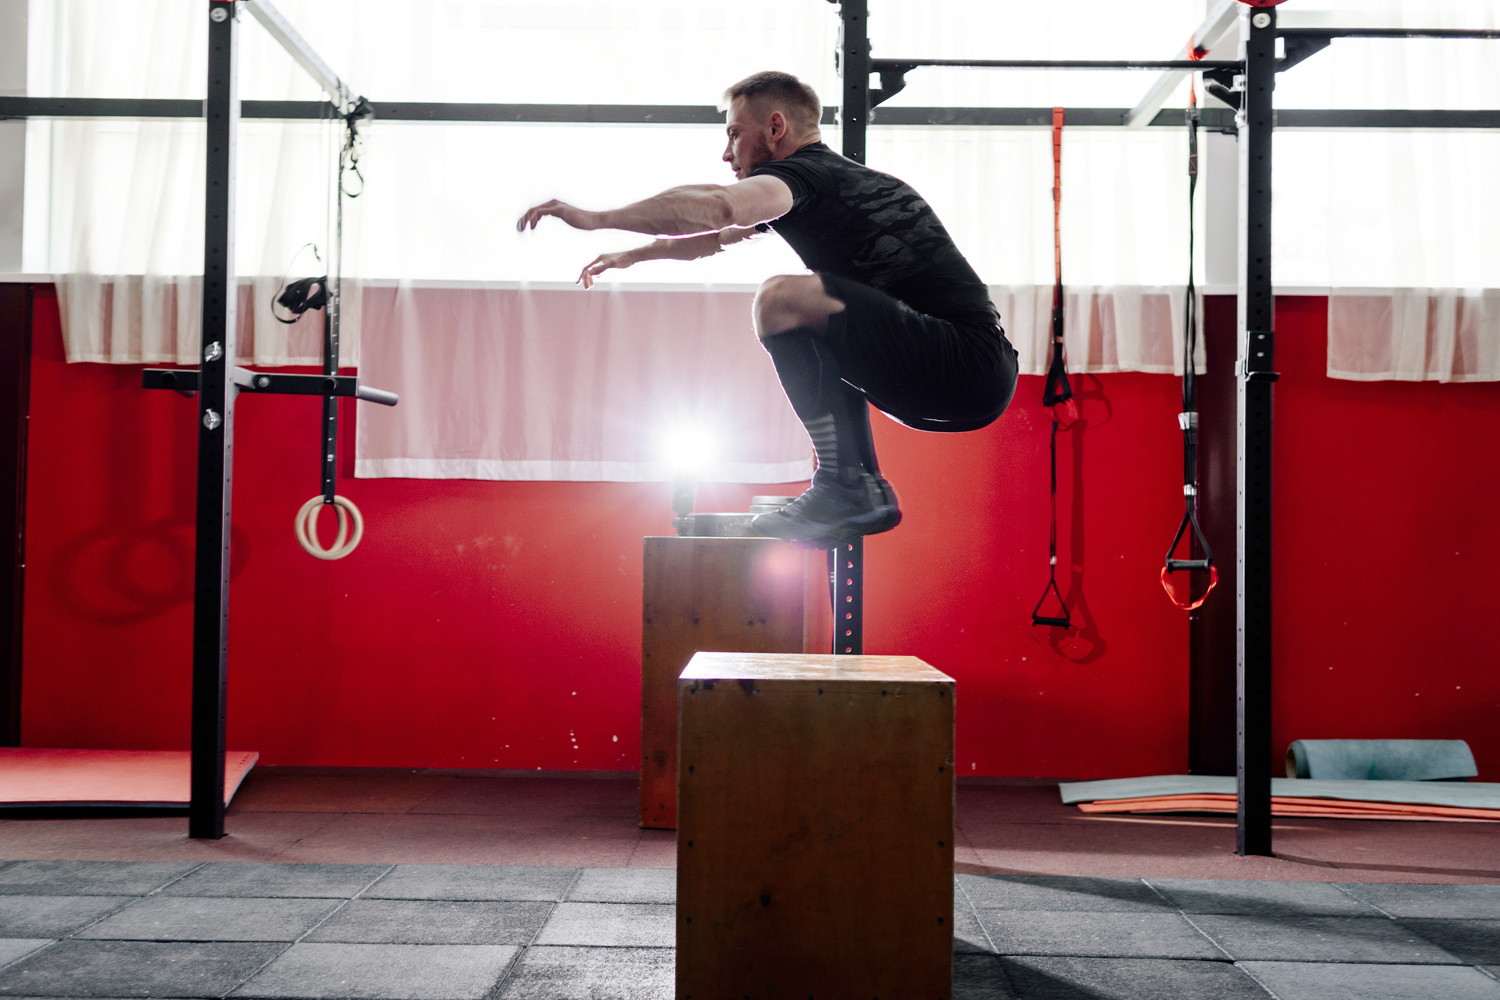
(32, 776)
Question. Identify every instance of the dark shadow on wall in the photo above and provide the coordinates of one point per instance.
(1082, 643)
(135, 566)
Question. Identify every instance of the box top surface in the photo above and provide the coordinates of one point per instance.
(811, 667)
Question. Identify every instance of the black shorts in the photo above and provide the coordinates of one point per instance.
(929, 373)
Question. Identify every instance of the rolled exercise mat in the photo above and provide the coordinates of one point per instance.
(1381, 760)
(1352, 799)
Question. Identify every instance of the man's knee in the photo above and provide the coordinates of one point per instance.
(791, 300)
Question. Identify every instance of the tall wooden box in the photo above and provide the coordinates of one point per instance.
(758, 595)
(815, 828)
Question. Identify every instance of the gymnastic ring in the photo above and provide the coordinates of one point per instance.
(344, 543)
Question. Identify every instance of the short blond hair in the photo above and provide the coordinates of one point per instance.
(772, 90)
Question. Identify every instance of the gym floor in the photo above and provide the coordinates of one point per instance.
(424, 884)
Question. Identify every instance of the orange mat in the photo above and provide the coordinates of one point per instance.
(32, 776)
(1288, 806)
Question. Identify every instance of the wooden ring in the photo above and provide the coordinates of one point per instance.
(306, 525)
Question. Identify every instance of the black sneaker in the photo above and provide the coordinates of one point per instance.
(831, 513)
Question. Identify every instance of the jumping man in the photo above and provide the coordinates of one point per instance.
(893, 315)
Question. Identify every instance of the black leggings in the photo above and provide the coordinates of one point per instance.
(928, 373)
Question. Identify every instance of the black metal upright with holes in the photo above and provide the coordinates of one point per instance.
(847, 564)
(854, 66)
(216, 392)
(1256, 376)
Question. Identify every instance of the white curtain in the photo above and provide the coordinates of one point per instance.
(122, 205)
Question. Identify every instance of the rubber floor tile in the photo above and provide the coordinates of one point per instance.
(1473, 942)
(383, 972)
(625, 885)
(134, 969)
(611, 925)
(1325, 981)
(470, 882)
(53, 916)
(1127, 979)
(89, 878)
(550, 973)
(244, 878)
(212, 918)
(968, 935)
(1320, 939)
(420, 921)
(1451, 901)
(1291, 899)
(14, 948)
(1103, 935)
(980, 977)
(1059, 892)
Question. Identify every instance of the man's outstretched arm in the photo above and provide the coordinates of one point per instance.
(679, 248)
(680, 211)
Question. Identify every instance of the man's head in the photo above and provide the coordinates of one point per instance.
(771, 116)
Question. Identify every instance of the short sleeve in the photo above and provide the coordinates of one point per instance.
(798, 175)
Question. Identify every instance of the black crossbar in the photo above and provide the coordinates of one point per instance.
(271, 383)
(692, 114)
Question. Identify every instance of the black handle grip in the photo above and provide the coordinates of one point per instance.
(1173, 565)
(1055, 622)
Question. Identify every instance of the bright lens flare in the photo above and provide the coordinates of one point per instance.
(688, 449)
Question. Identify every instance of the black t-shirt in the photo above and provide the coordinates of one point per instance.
(859, 223)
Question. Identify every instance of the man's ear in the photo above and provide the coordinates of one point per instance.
(777, 122)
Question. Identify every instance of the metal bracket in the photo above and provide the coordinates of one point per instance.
(892, 79)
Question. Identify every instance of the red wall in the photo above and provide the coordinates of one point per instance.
(488, 624)
(1386, 544)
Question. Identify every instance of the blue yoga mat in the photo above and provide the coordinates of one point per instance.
(1381, 760)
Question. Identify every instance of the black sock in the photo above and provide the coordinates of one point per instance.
(835, 414)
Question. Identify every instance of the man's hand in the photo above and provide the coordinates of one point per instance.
(575, 217)
(603, 263)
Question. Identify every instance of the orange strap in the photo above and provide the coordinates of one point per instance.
(1057, 127)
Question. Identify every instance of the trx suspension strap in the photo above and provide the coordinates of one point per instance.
(1057, 388)
(1188, 418)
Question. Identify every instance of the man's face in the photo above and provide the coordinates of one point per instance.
(749, 139)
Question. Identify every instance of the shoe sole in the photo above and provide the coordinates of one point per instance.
(874, 523)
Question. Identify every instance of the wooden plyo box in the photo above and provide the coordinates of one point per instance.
(756, 595)
(815, 828)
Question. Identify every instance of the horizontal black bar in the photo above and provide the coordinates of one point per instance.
(1054, 622)
(692, 114)
(186, 380)
(876, 65)
(97, 107)
(1389, 32)
(1173, 565)
(1385, 118)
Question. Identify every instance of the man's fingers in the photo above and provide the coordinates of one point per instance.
(534, 215)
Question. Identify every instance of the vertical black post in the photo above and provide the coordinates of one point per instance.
(332, 314)
(215, 431)
(330, 424)
(854, 62)
(15, 408)
(847, 563)
(1256, 375)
